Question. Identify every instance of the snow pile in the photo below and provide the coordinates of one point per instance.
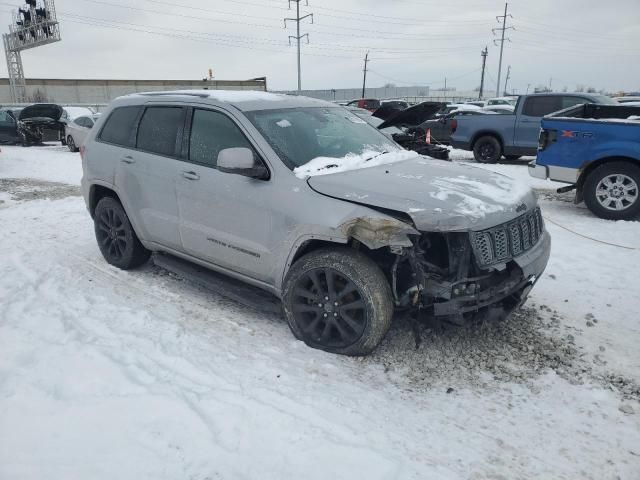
(367, 159)
(470, 195)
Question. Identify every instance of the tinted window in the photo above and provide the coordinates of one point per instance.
(210, 133)
(158, 130)
(6, 119)
(541, 106)
(571, 101)
(84, 122)
(119, 128)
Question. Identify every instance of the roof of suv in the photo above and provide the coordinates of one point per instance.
(245, 100)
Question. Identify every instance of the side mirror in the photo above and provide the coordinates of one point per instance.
(241, 161)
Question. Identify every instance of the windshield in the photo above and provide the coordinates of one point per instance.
(299, 135)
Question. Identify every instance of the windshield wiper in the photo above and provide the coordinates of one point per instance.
(376, 156)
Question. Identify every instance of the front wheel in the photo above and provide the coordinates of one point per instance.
(487, 150)
(611, 191)
(117, 241)
(338, 300)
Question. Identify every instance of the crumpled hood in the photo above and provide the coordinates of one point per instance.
(437, 195)
(41, 110)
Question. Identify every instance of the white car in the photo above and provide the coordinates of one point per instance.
(502, 101)
(76, 130)
(501, 109)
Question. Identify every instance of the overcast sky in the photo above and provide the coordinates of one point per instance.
(412, 42)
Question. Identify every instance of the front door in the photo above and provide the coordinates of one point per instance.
(223, 217)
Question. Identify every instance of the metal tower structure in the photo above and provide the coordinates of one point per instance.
(35, 24)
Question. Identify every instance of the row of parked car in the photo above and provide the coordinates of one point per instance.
(43, 122)
(600, 159)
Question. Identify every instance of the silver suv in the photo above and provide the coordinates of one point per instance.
(304, 199)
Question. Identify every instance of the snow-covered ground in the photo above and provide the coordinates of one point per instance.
(107, 374)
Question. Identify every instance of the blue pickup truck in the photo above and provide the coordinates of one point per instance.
(493, 136)
(595, 149)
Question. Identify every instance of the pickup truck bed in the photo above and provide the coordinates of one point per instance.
(595, 149)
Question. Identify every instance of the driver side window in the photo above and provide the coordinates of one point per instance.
(212, 132)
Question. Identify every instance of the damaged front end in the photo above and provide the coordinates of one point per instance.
(461, 276)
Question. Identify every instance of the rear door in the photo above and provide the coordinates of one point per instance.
(528, 122)
(146, 175)
(224, 218)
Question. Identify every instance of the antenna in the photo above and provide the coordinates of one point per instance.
(33, 25)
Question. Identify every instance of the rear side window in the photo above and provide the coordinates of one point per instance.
(119, 128)
(211, 132)
(158, 130)
(541, 106)
(571, 101)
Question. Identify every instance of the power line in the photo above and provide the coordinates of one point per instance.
(298, 36)
(502, 40)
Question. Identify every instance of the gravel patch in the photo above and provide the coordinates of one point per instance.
(531, 342)
(27, 189)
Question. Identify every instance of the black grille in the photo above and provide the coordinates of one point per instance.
(502, 243)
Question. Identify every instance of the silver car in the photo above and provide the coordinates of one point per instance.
(306, 200)
(76, 130)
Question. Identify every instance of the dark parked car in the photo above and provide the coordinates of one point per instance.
(443, 127)
(38, 120)
(406, 138)
(9, 126)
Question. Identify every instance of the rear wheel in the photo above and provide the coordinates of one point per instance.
(71, 144)
(338, 300)
(487, 149)
(611, 191)
(117, 241)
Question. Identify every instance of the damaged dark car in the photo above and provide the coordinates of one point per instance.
(404, 127)
(308, 201)
(39, 122)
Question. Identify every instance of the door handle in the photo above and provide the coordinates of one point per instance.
(191, 175)
(128, 160)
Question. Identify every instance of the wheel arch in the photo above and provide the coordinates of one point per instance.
(487, 133)
(96, 193)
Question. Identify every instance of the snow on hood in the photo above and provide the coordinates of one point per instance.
(437, 195)
(367, 159)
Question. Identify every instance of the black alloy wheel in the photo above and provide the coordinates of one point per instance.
(111, 233)
(116, 238)
(329, 308)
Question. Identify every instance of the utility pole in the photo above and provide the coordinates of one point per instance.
(484, 54)
(502, 40)
(550, 82)
(506, 82)
(364, 81)
(298, 37)
(445, 88)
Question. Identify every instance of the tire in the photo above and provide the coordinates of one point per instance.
(116, 239)
(487, 149)
(513, 158)
(71, 144)
(310, 300)
(611, 191)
